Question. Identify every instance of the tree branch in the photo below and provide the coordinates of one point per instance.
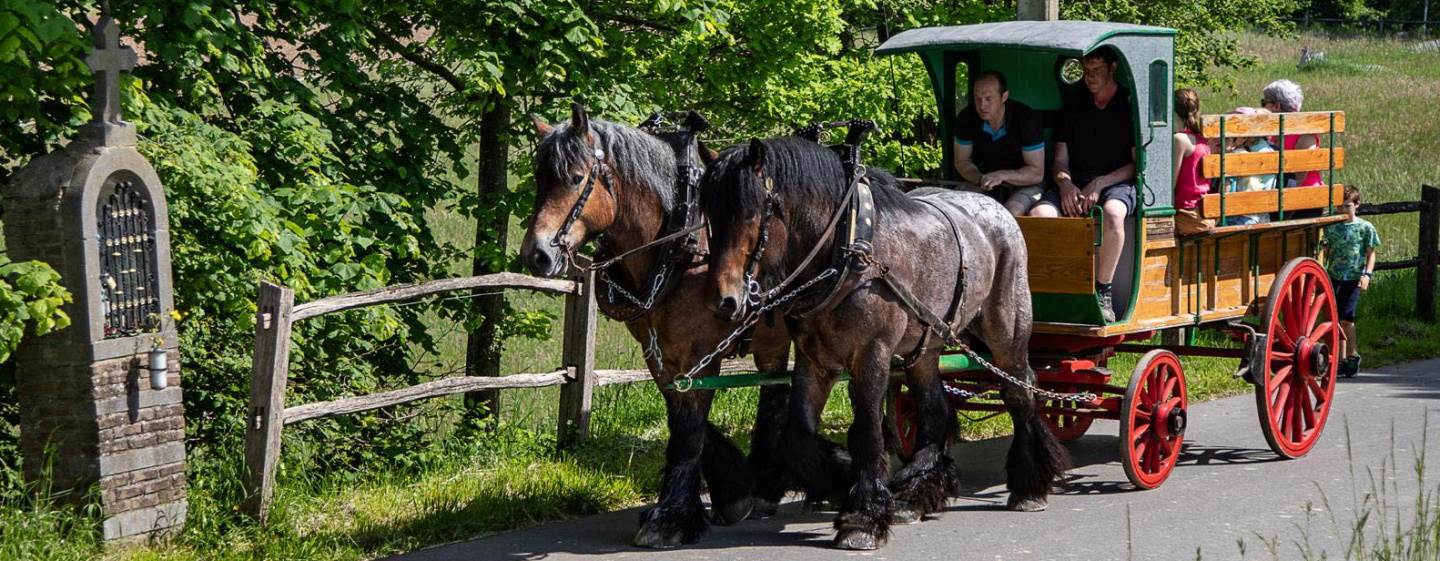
(439, 70)
(637, 22)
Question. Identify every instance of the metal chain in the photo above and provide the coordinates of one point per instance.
(1056, 396)
(653, 351)
(689, 377)
(612, 287)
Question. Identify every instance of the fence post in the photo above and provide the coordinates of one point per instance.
(1429, 252)
(579, 358)
(268, 373)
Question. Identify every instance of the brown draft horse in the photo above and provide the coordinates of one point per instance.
(602, 180)
(770, 205)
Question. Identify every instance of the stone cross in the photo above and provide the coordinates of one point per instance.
(107, 61)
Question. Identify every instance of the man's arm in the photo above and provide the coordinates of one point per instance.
(1069, 204)
(1118, 175)
(1032, 173)
(963, 164)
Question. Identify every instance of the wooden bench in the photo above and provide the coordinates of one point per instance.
(1061, 254)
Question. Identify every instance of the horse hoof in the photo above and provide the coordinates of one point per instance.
(861, 540)
(761, 509)
(1033, 504)
(732, 513)
(816, 506)
(905, 516)
(670, 532)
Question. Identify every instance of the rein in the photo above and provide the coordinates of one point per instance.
(578, 209)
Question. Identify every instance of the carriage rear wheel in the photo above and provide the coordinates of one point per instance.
(1302, 339)
(1152, 419)
(1066, 427)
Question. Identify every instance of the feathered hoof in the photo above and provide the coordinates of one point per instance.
(665, 529)
(814, 506)
(905, 515)
(732, 513)
(1031, 504)
(761, 509)
(859, 539)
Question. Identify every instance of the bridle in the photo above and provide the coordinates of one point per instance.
(598, 169)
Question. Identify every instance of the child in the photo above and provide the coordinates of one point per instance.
(1252, 182)
(1190, 152)
(1350, 260)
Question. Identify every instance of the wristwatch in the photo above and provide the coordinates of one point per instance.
(1367, 274)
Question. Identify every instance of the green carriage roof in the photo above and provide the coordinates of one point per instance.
(1072, 37)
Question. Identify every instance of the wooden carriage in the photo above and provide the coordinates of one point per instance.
(1259, 283)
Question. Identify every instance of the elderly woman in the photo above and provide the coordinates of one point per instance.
(1284, 96)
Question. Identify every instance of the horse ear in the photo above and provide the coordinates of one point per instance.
(707, 155)
(542, 128)
(579, 121)
(756, 155)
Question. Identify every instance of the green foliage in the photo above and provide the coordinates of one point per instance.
(45, 79)
(30, 301)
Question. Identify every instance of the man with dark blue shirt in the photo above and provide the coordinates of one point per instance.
(1095, 164)
(1000, 145)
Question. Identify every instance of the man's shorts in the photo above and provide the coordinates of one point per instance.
(1123, 192)
(1026, 196)
(1347, 297)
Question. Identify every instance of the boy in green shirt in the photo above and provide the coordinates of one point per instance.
(1350, 260)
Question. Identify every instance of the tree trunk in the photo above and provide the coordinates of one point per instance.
(482, 348)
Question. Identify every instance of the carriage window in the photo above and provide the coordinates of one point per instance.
(1071, 71)
(1159, 93)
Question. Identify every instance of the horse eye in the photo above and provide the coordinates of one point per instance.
(576, 179)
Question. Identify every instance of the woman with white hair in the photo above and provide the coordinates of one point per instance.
(1284, 96)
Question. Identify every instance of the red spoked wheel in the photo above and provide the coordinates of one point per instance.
(1152, 419)
(1066, 427)
(1302, 337)
(906, 416)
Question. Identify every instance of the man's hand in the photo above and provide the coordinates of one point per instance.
(1069, 197)
(1364, 283)
(1090, 195)
(990, 181)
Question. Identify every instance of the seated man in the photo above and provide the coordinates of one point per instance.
(1095, 164)
(1000, 143)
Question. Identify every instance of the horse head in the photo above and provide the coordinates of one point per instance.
(748, 226)
(575, 185)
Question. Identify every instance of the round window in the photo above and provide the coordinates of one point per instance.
(1071, 71)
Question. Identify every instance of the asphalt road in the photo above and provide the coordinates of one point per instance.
(1229, 488)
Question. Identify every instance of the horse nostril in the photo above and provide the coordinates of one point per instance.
(539, 262)
(727, 308)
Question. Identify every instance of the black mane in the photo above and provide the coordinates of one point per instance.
(809, 178)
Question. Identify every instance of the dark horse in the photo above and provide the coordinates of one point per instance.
(918, 242)
(629, 200)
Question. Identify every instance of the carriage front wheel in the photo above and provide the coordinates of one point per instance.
(1152, 419)
(1302, 340)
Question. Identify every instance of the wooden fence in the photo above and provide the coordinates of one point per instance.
(1428, 258)
(577, 377)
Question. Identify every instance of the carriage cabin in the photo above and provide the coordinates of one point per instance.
(1163, 280)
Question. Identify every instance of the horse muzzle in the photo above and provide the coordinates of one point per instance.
(730, 308)
(544, 261)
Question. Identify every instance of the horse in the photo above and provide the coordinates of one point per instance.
(600, 180)
(772, 204)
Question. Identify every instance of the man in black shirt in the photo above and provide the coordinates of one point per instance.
(1095, 164)
(1000, 143)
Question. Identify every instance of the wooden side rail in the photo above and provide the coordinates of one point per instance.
(1268, 163)
(1268, 124)
(1061, 254)
(1257, 202)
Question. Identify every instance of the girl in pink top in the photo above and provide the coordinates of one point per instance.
(1190, 151)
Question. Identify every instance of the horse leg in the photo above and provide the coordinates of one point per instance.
(728, 477)
(679, 516)
(923, 485)
(1036, 458)
(864, 521)
(766, 456)
(822, 467)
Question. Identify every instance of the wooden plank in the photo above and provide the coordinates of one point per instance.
(579, 356)
(402, 292)
(1267, 163)
(1061, 254)
(1397, 207)
(1255, 202)
(434, 388)
(1222, 231)
(269, 371)
(1268, 124)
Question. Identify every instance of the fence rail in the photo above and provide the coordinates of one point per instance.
(270, 368)
(1428, 260)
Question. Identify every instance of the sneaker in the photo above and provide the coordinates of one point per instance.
(1350, 367)
(1107, 307)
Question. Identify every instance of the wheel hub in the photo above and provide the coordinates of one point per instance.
(1169, 420)
(1320, 360)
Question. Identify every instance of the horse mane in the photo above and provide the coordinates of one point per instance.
(638, 158)
(800, 170)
